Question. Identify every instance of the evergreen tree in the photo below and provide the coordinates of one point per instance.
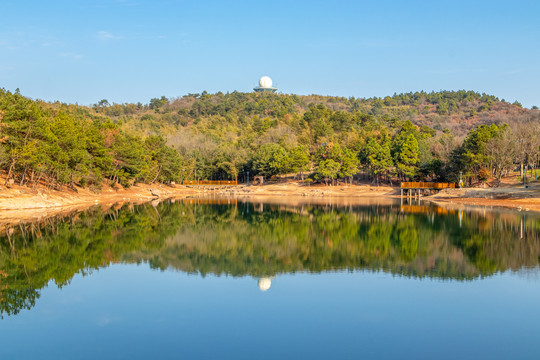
(349, 165)
(377, 158)
(407, 158)
(271, 159)
(299, 160)
(327, 169)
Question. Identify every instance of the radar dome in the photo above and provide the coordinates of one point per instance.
(264, 284)
(265, 82)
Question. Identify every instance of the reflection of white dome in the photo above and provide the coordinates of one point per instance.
(265, 82)
(264, 283)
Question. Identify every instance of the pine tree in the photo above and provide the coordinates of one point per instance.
(299, 160)
(327, 169)
(407, 158)
(378, 158)
(349, 164)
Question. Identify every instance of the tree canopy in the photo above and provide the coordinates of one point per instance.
(419, 135)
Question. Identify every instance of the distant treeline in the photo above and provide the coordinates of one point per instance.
(424, 136)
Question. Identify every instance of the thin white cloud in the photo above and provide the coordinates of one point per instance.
(512, 72)
(48, 41)
(105, 35)
(9, 45)
(71, 55)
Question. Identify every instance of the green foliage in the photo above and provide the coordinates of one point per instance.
(327, 169)
(406, 150)
(271, 159)
(61, 147)
(377, 157)
(156, 103)
(427, 132)
(299, 160)
(433, 170)
(473, 152)
(317, 117)
(217, 136)
(406, 157)
(349, 164)
(4, 156)
(163, 160)
(442, 108)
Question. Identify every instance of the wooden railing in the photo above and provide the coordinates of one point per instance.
(427, 185)
(209, 201)
(209, 182)
(424, 209)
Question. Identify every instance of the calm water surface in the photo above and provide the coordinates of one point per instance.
(225, 279)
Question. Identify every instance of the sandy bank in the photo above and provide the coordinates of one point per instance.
(23, 198)
(507, 197)
(24, 203)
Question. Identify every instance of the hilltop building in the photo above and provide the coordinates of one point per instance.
(265, 85)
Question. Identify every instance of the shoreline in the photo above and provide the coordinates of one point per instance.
(20, 203)
(515, 198)
(21, 198)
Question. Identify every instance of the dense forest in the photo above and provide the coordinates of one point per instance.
(424, 136)
(241, 239)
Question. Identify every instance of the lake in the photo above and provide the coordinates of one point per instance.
(222, 278)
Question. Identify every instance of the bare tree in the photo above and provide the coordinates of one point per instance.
(501, 150)
(444, 145)
(527, 136)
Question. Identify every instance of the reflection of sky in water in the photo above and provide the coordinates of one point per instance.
(129, 311)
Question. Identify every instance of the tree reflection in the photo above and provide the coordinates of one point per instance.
(240, 239)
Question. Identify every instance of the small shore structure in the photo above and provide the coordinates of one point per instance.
(416, 189)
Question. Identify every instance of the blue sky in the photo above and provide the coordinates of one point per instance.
(133, 50)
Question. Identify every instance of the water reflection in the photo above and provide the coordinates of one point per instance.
(264, 283)
(238, 238)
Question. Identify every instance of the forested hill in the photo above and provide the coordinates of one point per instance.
(219, 136)
(458, 111)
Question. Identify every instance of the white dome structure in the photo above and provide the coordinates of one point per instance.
(265, 82)
(265, 85)
(264, 283)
